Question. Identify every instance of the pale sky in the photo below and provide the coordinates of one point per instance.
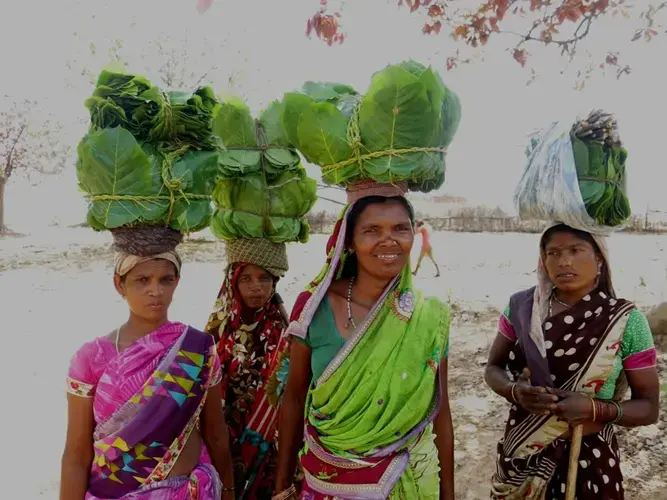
(261, 51)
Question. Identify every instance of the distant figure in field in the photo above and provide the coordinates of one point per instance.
(427, 249)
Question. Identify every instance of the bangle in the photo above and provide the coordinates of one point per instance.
(593, 404)
(512, 392)
(224, 488)
(619, 412)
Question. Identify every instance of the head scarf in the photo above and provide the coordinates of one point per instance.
(247, 353)
(544, 288)
(124, 262)
(244, 350)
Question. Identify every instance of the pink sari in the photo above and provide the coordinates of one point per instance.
(146, 402)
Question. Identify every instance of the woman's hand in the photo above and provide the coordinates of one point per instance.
(535, 399)
(574, 407)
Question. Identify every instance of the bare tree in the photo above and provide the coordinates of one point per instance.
(27, 150)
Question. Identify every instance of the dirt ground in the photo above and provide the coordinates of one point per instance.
(56, 293)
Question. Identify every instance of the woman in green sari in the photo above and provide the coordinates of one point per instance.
(368, 367)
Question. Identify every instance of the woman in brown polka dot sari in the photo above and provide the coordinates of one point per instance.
(570, 348)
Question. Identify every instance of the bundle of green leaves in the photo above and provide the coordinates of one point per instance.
(600, 163)
(150, 157)
(602, 180)
(398, 131)
(262, 191)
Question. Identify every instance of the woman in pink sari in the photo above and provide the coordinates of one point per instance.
(145, 417)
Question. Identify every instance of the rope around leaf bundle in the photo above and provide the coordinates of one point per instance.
(169, 180)
(354, 139)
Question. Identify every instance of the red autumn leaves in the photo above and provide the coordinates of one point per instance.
(325, 25)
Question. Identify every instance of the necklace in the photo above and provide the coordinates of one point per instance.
(117, 340)
(350, 319)
(551, 302)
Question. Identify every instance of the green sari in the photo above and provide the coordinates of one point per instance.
(369, 415)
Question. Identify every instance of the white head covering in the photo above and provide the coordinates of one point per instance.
(124, 262)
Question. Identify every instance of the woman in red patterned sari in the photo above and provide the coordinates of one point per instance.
(248, 321)
(571, 348)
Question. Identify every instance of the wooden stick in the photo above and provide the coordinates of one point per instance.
(575, 449)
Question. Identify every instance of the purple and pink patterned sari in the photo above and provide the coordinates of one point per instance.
(146, 403)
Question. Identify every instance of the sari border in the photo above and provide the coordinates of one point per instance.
(354, 340)
(80, 389)
(168, 461)
(519, 438)
(379, 491)
(299, 327)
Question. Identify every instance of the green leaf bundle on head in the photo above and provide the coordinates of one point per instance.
(398, 131)
(262, 190)
(150, 156)
(576, 174)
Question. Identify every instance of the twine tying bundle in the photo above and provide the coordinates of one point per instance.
(173, 184)
(354, 139)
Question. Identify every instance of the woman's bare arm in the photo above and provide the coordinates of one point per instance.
(644, 407)
(290, 431)
(78, 455)
(535, 399)
(444, 438)
(495, 375)
(216, 438)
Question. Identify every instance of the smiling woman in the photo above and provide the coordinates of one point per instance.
(366, 346)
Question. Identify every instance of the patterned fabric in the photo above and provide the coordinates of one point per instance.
(146, 402)
(637, 349)
(582, 348)
(531, 453)
(246, 355)
(376, 400)
(534, 345)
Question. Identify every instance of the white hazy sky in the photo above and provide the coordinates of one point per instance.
(260, 52)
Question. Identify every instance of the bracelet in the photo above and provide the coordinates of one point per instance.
(593, 404)
(224, 488)
(512, 393)
(285, 494)
(619, 412)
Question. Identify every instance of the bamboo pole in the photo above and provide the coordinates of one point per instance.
(575, 449)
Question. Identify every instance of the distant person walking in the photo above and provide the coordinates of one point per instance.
(427, 249)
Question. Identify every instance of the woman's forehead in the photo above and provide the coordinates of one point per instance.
(379, 213)
(153, 267)
(253, 270)
(566, 240)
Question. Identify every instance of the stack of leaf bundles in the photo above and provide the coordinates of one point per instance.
(262, 190)
(150, 156)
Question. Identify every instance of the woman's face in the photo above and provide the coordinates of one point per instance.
(572, 264)
(149, 288)
(383, 238)
(255, 285)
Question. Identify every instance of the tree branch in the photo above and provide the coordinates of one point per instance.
(9, 165)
